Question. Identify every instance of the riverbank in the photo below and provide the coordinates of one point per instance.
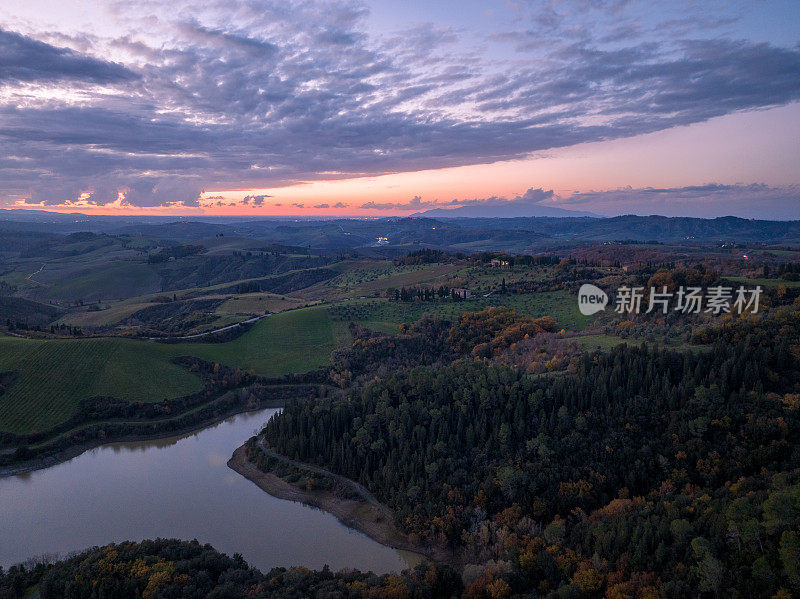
(74, 451)
(368, 517)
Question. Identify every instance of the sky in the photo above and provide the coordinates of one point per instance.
(255, 107)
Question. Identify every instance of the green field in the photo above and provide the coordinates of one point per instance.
(257, 303)
(602, 342)
(55, 374)
(748, 282)
(112, 280)
(384, 315)
(110, 313)
(294, 341)
(371, 276)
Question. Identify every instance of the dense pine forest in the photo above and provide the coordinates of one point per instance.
(639, 472)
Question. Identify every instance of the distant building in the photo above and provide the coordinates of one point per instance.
(495, 262)
(462, 293)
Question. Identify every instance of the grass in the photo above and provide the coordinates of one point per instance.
(371, 277)
(384, 315)
(93, 277)
(257, 303)
(110, 313)
(55, 374)
(294, 341)
(602, 342)
(116, 280)
(749, 283)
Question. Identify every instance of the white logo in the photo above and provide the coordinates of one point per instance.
(591, 299)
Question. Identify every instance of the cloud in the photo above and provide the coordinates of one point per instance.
(531, 196)
(161, 192)
(758, 201)
(340, 205)
(416, 203)
(252, 94)
(322, 206)
(130, 191)
(298, 205)
(25, 59)
(257, 200)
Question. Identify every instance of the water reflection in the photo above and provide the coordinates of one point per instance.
(175, 487)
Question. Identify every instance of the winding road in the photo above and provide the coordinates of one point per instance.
(351, 484)
(41, 268)
(197, 335)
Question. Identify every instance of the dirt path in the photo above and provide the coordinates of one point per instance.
(41, 268)
(197, 335)
(368, 515)
(351, 484)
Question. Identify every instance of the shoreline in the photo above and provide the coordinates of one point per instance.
(358, 515)
(76, 450)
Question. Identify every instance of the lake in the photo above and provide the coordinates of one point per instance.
(176, 487)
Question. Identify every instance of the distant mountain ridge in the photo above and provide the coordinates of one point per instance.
(454, 230)
(508, 210)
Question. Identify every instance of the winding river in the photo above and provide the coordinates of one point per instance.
(176, 487)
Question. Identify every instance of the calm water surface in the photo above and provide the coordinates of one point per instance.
(177, 487)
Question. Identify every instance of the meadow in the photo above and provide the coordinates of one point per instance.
(750, 282)
(385, 315)
(53, 375)
(294, 341)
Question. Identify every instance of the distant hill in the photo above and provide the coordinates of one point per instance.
(511, 226)
(29, 312)
(183, 229)
(506, 210)
(662, 228)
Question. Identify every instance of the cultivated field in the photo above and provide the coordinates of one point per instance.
(55, 374)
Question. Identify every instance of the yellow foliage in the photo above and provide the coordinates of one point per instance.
(499, 589)
(791, 401)
(156, 580)
(588, 580)
(139, 569)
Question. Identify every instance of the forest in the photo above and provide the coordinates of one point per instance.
(638, 472)
(543, 453)
(172, 569)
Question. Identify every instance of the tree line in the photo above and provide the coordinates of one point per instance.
(642, 472)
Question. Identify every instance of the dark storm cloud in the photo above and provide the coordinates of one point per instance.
(273, 94)
(25, 59)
